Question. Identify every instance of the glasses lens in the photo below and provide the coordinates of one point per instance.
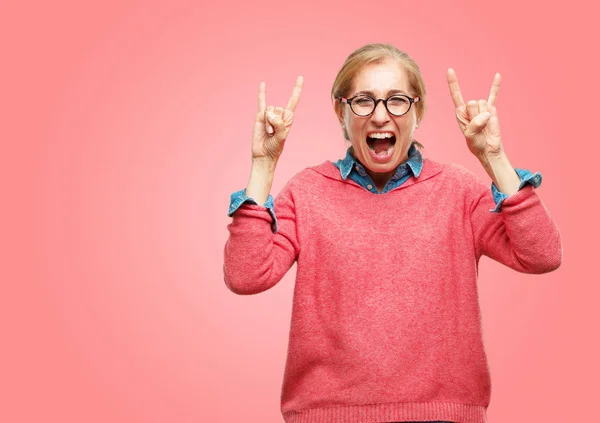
(398, 105)
(363, 105)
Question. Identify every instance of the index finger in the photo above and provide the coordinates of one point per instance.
(262, 103)
(295, 94)
(495, 89)
(455, 88)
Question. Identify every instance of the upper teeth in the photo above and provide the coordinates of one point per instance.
(381, 135)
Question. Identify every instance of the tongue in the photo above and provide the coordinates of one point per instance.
(380, 145)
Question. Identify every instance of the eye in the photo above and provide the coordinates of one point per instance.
(363, 101)
(397, 100)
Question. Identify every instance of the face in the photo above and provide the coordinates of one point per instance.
(380, 79)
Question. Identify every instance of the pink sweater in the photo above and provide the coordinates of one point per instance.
(385, 319)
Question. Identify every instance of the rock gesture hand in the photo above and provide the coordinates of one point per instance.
(478, 120)
(273, 125)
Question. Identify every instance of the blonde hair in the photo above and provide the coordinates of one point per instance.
(374, 54)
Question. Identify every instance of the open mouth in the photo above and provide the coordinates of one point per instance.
(381, 146)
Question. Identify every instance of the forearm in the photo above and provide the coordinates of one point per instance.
(252, 261)
(502, 173)
(261, 180)
(255, 257)
(525, 237)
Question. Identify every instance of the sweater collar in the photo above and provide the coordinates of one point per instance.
(414, 163)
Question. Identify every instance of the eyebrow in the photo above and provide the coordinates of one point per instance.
(388, 93)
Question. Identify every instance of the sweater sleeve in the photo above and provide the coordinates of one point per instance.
(522, 236)
(256, 257)
(526, 178)
(239, 197)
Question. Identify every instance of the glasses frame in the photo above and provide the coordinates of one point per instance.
(377, 100)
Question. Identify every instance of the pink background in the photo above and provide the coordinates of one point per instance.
(125, 128)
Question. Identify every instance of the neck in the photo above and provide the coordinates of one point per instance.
(379, 178)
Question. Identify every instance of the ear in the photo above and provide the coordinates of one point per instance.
(339, 110)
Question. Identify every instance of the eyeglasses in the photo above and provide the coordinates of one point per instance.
(364, 105)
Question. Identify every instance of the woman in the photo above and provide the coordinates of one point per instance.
(385, 320)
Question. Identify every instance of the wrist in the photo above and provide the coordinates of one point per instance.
(264, 165)
(501, 172)
(261, 179)
(492, 157)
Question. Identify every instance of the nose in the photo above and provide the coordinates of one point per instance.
(380, 114)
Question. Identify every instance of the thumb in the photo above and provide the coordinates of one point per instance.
(494, 125)
(477, 124)
(276, 122)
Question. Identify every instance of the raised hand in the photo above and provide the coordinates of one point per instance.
(478, 120)
(273, 125)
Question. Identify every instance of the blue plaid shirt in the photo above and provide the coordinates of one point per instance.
(351, 168)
